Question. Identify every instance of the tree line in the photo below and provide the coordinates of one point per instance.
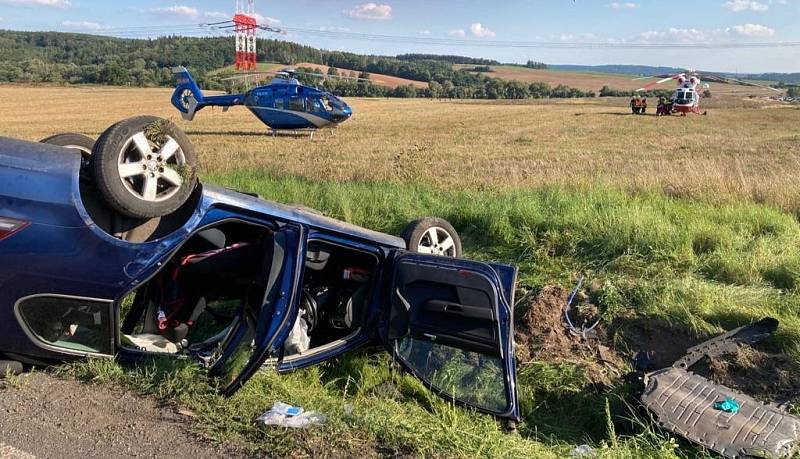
(68, 58)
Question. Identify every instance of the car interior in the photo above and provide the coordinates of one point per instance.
(193, 303)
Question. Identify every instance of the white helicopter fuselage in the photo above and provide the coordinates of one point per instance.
(686, 98)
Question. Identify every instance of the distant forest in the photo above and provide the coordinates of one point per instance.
(65, 58)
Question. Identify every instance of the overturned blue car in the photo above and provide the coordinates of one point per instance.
(114, 249)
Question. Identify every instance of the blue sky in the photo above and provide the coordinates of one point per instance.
(639, 21)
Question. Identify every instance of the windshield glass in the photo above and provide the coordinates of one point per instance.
(331, 102)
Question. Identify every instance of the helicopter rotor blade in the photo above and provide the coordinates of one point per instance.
(244, 76)
(661, 81)
(747, 83)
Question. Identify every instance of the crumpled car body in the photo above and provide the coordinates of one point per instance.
(229, 278)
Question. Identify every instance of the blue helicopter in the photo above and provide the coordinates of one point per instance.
(284, 104)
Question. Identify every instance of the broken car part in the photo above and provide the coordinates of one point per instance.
(716, 417)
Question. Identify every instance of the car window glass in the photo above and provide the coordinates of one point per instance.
(72, 324)
(471, 377)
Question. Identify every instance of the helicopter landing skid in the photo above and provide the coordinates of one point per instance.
(292, 132)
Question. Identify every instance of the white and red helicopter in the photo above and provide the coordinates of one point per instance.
(686, 98)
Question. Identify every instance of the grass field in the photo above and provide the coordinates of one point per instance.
(593, 81)
(742, 149)
(681, 225)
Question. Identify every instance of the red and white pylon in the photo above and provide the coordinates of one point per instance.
(245, 25)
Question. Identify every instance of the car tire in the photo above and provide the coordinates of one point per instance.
(434, 236)
(144, 167)
(10, 367)
(80, 142)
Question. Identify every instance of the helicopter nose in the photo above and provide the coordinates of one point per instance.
(348, 111)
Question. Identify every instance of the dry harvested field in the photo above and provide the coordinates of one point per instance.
(377, 78)
(593, 81)
(743, 148)
(661, 273)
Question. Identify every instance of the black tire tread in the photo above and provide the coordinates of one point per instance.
(70, 138)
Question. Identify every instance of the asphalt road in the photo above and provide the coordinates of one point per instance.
(47, 417)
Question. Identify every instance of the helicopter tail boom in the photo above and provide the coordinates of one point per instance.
(188, 98)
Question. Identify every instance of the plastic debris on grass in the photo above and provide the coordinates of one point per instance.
(284, 415)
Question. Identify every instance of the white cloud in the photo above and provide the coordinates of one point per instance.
(83, 25)
(738, 6)
(684, 34)
(457, 33)
(266, 20)
(334, 29)
(479, 30)
(751, 30)
(370, 11)
(625, 5)
(61, 4)
(424, 32)
(216, 15)
(177, 10)
(652, 35)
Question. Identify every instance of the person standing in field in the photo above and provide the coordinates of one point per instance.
(643, 105)
(634, 104)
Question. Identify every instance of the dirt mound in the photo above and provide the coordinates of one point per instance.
(542, 334)
(768, 377)
(662, 344)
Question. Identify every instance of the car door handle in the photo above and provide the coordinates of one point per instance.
(461, 310)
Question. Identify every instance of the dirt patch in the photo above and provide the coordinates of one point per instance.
(766, 376)
(51, 417)
(661, 343)
(542, 335)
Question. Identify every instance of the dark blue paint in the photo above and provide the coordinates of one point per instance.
(62, 252)
(278, 105)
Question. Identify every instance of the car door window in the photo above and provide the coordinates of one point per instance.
(74, 325)
(449, 323)
(472, 377)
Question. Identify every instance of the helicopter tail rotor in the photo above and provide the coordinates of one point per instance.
(187, 97)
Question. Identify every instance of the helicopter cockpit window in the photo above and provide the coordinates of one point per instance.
(313, 105)
(326, 104)
(297, 104)
(279, 103)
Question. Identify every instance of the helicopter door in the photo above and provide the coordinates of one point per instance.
(297, 104)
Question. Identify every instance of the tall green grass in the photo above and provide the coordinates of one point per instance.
(691, 264)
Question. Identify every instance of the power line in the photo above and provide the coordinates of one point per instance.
(218, 28)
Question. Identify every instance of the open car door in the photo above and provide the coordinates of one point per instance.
(449, 322)
(263, 323)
